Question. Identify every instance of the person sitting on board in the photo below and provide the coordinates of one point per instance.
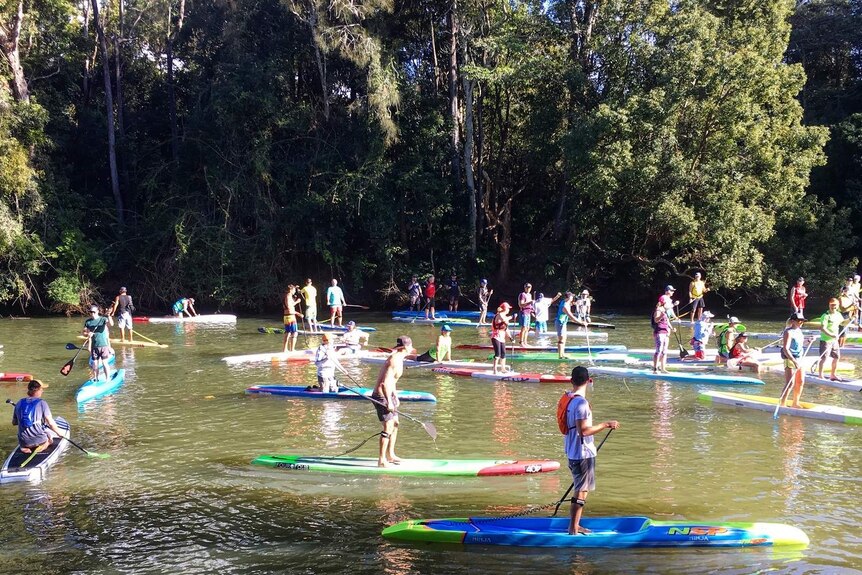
(184, 306)
(430, 294)
(326, 365)
(354, 338)
(385, 397)
(579, 446)
(583, 305)
(123, 307)
(335, 301)
(797, 296)
(444, 343)
(290, 313)
(740, 353)
(454, 293)
(541, 309)
(309, 296)
(525, 314)
(830, 329)
(34, 420)
(792, 346)
(667, 302)
(701, 331)
(726, 335)
(696, 290)
(484, 299)
(661, 329)
(499, 333)
(564, 314)
(100, 342)
(414, 291)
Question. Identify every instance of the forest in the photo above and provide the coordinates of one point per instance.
(224, 148)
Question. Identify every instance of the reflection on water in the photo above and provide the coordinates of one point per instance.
(178, 494)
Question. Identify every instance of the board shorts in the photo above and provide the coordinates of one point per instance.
(583, 474)
(327, 384)
(499, 348)
(788, 364)
(383, 414)
(561, 330)
(524, 318)
(334, 309)
(541, 326)
(290, 324)
(429, 302)
(125, 320)
(311, 313)
(697, 303)
(661, 342)
(830, 347)
(103, 352)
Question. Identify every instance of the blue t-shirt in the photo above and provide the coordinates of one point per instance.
(578, 447)
(702, 328)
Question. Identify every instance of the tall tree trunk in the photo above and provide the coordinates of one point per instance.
(9, 37)
(434, 58)
(320, 60)
(85, 33)
(454, 108)
(172, 96)
(118, 71)
(468, 150)
(109, 113)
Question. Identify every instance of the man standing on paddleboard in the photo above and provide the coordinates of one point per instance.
(100, 343)
(580, 449)
(386, 400)
(288, 305)
(309, 295)
(335, 299)
(123, 307)
(525, 315)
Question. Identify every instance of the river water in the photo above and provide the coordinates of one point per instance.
(178, 494)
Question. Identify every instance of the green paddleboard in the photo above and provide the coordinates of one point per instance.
(418, 467)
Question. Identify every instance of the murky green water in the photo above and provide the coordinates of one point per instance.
(178, 494)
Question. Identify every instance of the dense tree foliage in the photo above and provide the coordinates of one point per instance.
(223, 149)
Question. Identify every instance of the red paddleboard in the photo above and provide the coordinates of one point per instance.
(142, 319)
(519, 468)
(24, 377)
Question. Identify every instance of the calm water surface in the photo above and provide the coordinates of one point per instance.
(178, 494)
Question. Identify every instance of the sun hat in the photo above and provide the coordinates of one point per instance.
(669, 287)
(733, 319)
(796, 317)
(445, 327)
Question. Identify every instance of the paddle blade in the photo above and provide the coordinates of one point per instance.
(98, 455)
(67, 367)
(71, 346)
(430, 430)
(683, 352)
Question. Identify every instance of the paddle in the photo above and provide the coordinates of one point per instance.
(683, 353)
(89, 453)
(356, 305)
(572, 486)
(139, 334)
(67, 367)
(428, 427)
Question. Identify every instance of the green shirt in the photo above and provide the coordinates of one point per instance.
(100, 333)
(832, 322)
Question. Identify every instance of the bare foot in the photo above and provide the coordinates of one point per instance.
(395, 460)
(796, 406)
(583, 530)
(382, 464)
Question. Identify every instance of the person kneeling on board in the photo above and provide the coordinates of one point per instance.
(33, 418)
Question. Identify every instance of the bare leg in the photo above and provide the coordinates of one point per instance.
(393, 436)
(797, 388)
(575, 515)
(284, 341)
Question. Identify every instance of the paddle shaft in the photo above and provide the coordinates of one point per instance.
(432, 431)
(67, 367)
(139, 334)
(572, 486)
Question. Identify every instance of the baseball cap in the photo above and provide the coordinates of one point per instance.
(540, 295)
(484, 281)
(351, 323)
(733, 319)
(800, 279)
(707, 315)
(445, 327)
(585, 292)
(35, 384)
(856, 277)
(743, 334)
(404, 341)
(94, 308)
(796, 317)
(123, 289)
(505, 305)
(669, 287)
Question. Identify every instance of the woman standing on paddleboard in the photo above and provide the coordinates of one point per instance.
(499, 333)
(798, 295)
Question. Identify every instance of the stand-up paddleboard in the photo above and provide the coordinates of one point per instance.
(505, 376)
(607, 532)
(462, 314)
(298, 356)
(413, 364)
(452, 322)
(420, 467)
(95, 388)
(530, 348)
(342, 393)
(210, 318)
(810, 410)
(840, 383)
(583, 334)
(326, 328)
(37, 467)
(341, 328)
(16, 377)
(677, 377)
(570, 357)
(116, 341)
